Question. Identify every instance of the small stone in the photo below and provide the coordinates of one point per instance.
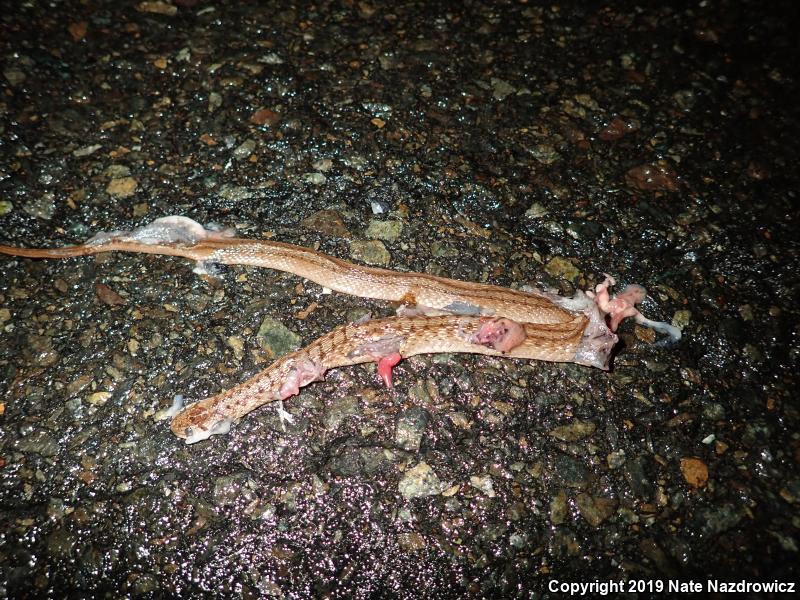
(746, 312)
(236, 343)
(441, 250)
(587, 101)
(235, 192)
(536, 211)
(122, 188)
(568, 471)
(230, 489)
(214, 101)
(616, 459)
(682, 318)
(559, 509)
(108, 296)
(86, 150)
(563, 269)
(420, 481)
(158, 8)
(372, 252)
(501, 88)
(245, 149)
(653, 177)
(42, 208)
(315, 178)
(117, 171)
(323, 165)
(379, 207)
(565, 543)
(410, 428)
(483, 483)
(713, 411)
(574, 431)
(595, 509)
(411, 541)
(98, 398)
(14, 76)
(338, 410)
(38, 442)
(639, 477)
(545, 154)
(271, 58)
(265, 116)
(695, 472)
(685, 99)
(387, 231)
(328, 222)
(276, 339)
(460, 420)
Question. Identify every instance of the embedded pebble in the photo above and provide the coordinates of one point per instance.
(595, 509)
(562, 268)
(235, 193)
(323, 165)
(231, 489)
(388, 231)
(372, 252)
(276, 339)
(236, 343)
(379, 207)
(328, 222)
(483, 483)
(568, 471)
(245, 149)
(410, 428)
(339, 410)
(315, 178)
(43, 207)
(574, 431)
(122, 187)
(559, 509)
(615, 460)
(420, 481)
(501, 88)
(39, 442)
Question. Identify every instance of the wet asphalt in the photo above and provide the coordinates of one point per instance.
(516, 143)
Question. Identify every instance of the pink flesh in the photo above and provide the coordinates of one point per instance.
(304, 373)
(623, 306)
(385, 364)
(501, 334)
(634, 294)
(289, 387)
(620, 306)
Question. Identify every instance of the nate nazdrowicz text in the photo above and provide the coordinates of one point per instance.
(604, 588)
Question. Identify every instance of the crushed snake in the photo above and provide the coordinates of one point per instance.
(447, 315)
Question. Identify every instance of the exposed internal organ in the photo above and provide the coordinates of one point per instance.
(304, 372)
(623, 305)
(501, 334)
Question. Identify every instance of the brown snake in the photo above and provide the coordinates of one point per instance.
(478, 318)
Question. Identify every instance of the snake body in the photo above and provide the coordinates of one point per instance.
(478, 315)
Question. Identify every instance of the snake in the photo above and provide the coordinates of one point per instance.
(437, 315)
